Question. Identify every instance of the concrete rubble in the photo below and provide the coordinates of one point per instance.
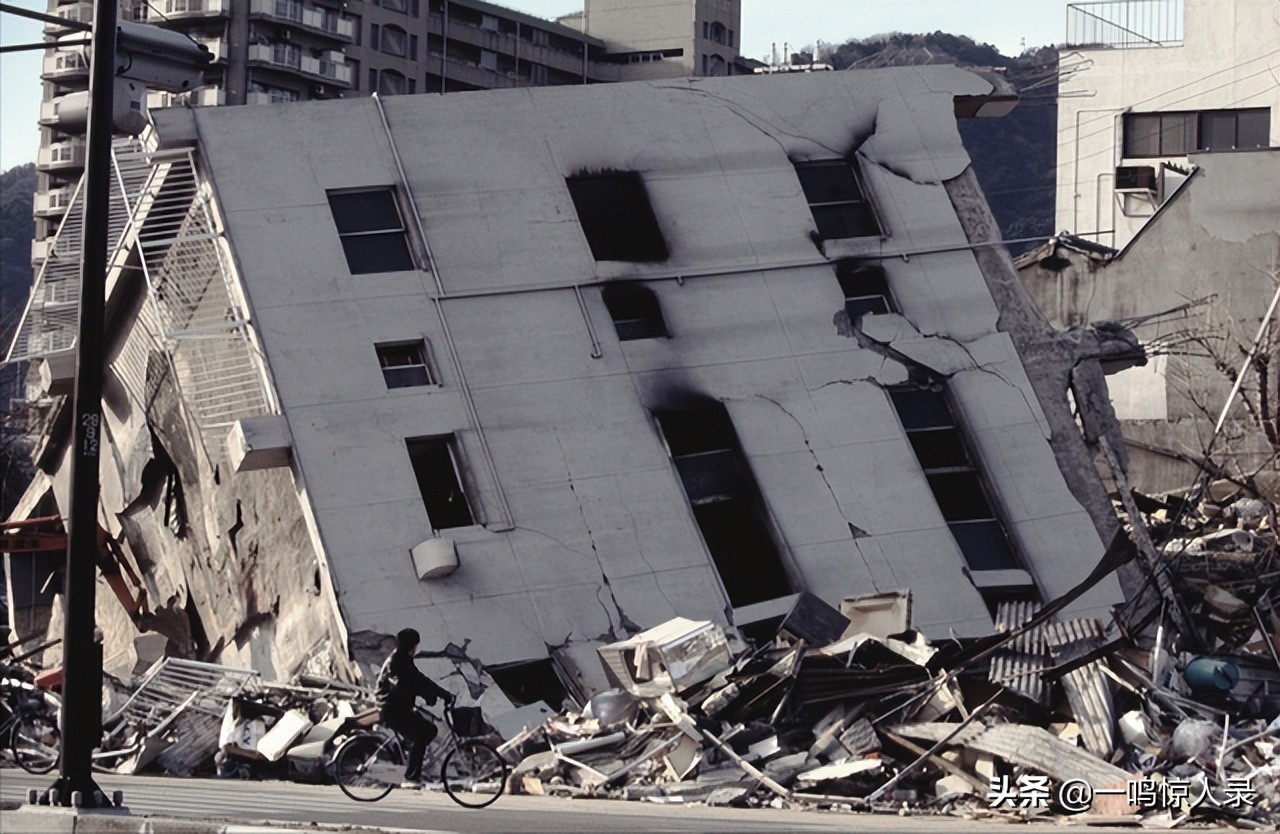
(854, 709)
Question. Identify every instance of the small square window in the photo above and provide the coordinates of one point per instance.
(616, 217)
(373, 233)
(404, 364)
(837, 200)
(865, 290)
(635, 312)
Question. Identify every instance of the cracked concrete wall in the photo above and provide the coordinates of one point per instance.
(600, 540)
(1217, 237)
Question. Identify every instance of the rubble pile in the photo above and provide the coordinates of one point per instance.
(1049, 716)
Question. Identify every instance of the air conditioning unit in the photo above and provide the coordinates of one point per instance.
(1132, 178)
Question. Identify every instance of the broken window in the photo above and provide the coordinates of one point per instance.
(837, 199)
(404, 364)
(435, 467)
(1149, 135)
(373, 232)
(635, 311)
(527, 682)
(616, 217)
(956, 483)
(865, 290)
(726, 503)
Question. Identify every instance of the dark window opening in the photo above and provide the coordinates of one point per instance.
(1149, 135)
(635, 311)
(528, 682)
(372, 231)
(866, 291)
(726, 503)
(438, 481)
(956, 483)
(616, 217)
(404, 364)
(836, 198)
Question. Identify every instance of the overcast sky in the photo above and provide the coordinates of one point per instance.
(1010, 25)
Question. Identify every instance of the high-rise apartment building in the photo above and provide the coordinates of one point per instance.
(268, 51)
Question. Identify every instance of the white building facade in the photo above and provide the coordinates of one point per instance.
(1144, 84)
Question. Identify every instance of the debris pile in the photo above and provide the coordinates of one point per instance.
(1129, 721)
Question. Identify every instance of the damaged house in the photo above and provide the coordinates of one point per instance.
(533, 370)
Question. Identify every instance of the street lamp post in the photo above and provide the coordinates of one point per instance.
(81, 653)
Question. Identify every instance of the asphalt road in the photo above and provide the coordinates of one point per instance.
(418, 811)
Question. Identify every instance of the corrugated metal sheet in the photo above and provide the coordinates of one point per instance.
(1017, 666)
(1088, 689)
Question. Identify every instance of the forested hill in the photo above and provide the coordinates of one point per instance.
(17, 188)
(1013, 156)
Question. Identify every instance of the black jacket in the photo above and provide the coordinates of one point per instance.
(400, 683)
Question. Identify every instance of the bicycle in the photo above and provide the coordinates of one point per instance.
(27, 729)
(474, 774)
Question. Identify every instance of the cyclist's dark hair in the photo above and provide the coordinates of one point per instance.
(406, 639)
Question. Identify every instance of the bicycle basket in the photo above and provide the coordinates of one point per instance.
(467, 721)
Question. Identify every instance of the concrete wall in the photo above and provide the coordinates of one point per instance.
(1228, 59)
(1218, 239)
(631, 26)
(584, 530)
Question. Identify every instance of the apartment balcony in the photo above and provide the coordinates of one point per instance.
(505, 44)
(64, 66)
(287, 57)
(73, 13)
(217, 48)
(40, 250)
(467, 72)
(62, 157)
(323, 22)
(1125, 24)
(173, 10)
(54, 203)
(207, 96)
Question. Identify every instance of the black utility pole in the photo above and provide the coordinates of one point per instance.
(81, 653)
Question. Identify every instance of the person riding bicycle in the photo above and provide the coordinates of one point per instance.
(400, 684)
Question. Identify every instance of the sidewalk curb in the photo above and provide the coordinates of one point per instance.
(39, 819)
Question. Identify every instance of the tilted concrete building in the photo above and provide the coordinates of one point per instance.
(532, 369)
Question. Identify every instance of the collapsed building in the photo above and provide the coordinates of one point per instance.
(534, 370)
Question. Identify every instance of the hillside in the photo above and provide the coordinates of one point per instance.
(17, 188)
(1014, 156)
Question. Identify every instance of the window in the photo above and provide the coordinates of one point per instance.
(836, 199)
(726, 503)
(635, 312)
(372, 231)
(489, 60)
(489, 23)
(956, 483)
(437, 474)
(1149, 135)
(717, 33)
(865, 290)
(373, 35)
(404, 364)
(392, 83)
(395, 41)
(527, 682)
(393, 5)
(616, 217)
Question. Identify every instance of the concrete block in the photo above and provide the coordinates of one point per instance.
(259, 443)
(435, 558)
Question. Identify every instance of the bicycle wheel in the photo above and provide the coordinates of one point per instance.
(367, 767)
(35, 743)
(474, 774)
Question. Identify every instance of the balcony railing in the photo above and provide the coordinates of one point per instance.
(307, 17)
(171, 9)
(207, 96)
(53, 203)
(63, 64)
(74, 13)
(282, 56)
(62, 156)
(1126, 24)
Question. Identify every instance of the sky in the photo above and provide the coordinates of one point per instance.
(1009, 25)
